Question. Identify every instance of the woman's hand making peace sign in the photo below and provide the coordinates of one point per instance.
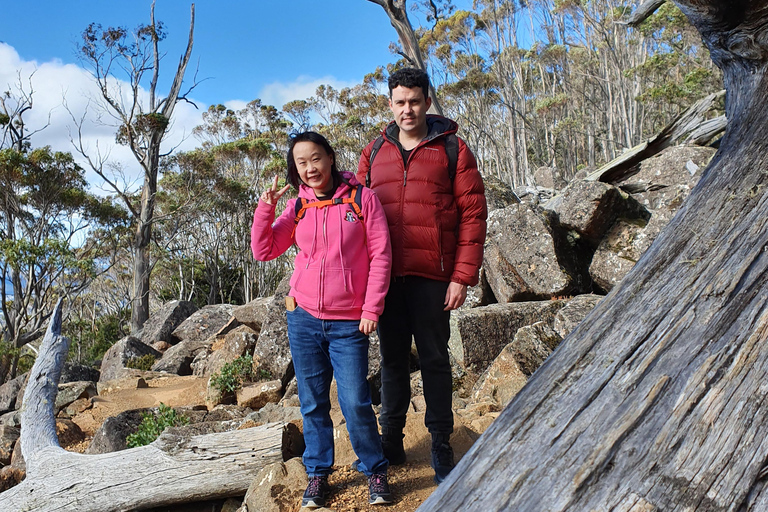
(272, 195)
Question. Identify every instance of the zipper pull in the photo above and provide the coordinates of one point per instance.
(405, 176)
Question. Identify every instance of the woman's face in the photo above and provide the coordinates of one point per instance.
(314, 166)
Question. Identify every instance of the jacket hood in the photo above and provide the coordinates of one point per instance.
(348, 181)
(436, 127)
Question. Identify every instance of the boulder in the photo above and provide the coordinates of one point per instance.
(664, 181)
(162, 323)
(74, 372)
(277, 487)
(178, 358)
(203, 323)
(71, 391)
(498, 194)
(8, 438)
(9, 393)
(549, 178)
(253, 313)
(590, 208)
(271, 413)
(571, 315)
(113, 365)
(259, 394)
(483, 332)
(272, 352)
(501, 381)
(111, 435)
(622, 247)
(532, 345)
(520, 261)
(236, 343)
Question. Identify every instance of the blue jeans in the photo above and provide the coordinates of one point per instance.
(320, 349)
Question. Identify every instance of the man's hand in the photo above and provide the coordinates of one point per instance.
(367, 326)
(455, 296)
(272, 195)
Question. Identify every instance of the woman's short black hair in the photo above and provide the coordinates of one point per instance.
(293, 173)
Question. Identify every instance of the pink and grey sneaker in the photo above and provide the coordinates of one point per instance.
(317, 492)
(378, 489)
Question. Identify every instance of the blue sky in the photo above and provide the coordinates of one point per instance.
(274, 51)
(245, 49)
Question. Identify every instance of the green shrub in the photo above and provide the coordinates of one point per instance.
(144, 362)
(153, 425)
(232, 375)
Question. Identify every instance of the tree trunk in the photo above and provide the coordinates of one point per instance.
(657, 401)
(173, 469)
(398, 17)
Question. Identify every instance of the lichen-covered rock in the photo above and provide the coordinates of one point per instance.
(203, 323)
(253, 313)
(483, 332)
(178, 358)
(272, 352)
(9, 393)
(71, 391)
(590, 208)
(236, 343)
(8, 438)
(74, 372)
(259, 394)
(622, 247)
(520, 261)
(277, 487)
(501, 381)
(113, 364)
(571, 315)
(498, 194)
(162, 323)
(532, 345)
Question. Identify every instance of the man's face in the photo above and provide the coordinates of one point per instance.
(409, 107)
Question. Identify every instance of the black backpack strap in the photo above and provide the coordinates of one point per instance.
(374, 150)
(452, 150)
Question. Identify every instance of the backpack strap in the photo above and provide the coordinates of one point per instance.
(354, 200)
(451, 150)
(374, 150)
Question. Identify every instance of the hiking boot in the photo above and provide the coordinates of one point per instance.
(378, 489)
(442, 456)
(392, 446)
(317, 492)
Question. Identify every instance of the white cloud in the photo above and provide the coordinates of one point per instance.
(304, 87)
(58, 89)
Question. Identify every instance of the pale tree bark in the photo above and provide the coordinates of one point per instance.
(657, 401)
(174, 469)
(398, 17)
(141, 127)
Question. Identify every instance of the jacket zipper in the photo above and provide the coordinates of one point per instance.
(322, 261)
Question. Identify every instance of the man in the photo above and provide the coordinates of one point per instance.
(437, 220)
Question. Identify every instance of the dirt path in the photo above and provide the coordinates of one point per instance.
(412, 482)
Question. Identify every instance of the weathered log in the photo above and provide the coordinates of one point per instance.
(171, 470)
(690, 124)
(657, 401)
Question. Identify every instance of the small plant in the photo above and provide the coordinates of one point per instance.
(232, 375)
(143, 363)
(153, 425)
(264, 374)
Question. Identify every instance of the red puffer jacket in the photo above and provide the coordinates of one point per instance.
(437, 226)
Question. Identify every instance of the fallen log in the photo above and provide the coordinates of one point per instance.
(173, 469)
(690, 125)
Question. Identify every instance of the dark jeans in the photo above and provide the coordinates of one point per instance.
(414, 308)
(320, 350)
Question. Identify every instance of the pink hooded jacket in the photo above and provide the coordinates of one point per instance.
(342, 269)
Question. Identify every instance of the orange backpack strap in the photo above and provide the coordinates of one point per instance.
(354, 200)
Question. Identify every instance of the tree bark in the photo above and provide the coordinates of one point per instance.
(398, 17)
(173, 469)
(657, 401)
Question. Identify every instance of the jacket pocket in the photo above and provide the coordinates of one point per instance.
(305, 285)
(339, 290)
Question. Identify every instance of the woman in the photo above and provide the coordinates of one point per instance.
(340, 278)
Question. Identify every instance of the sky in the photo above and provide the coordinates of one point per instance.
(276, 51)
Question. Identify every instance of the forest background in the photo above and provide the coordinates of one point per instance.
(565, 85)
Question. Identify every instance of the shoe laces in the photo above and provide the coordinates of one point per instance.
(378, 483)
(315, 485)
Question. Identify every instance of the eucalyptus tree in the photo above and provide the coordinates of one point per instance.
(48, 226)
(142, 118)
